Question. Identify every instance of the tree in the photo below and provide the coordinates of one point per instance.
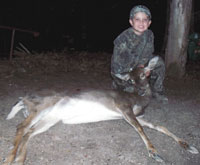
(178, 31)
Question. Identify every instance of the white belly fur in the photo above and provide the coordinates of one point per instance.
(77, 111)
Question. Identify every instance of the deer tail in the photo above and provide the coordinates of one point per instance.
(15, 109)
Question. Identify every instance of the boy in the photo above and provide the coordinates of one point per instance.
(133, 48)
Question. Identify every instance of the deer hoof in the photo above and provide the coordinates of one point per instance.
(188, 147)
(192, 150)
(155, 156)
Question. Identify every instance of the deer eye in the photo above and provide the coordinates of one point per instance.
(142, 76)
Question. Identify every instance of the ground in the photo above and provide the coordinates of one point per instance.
(102, 143)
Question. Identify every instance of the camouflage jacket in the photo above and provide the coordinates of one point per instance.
(131, 50)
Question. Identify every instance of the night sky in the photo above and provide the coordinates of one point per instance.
(90, 25)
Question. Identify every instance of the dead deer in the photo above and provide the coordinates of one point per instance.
(85, 107)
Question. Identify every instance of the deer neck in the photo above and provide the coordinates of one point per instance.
(143, 99)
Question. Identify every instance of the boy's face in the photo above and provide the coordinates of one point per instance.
(140, 23)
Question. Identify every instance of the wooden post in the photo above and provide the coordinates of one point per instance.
(35, 34)
(12, 43)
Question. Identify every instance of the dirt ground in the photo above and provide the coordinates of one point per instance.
(103, 143)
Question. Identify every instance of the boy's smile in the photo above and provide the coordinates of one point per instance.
(140, 23)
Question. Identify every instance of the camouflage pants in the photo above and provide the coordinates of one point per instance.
(156, 80)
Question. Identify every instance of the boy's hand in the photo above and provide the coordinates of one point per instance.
(147, 73)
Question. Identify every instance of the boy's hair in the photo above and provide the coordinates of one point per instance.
(139, 8)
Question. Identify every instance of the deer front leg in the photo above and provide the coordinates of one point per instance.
(164, 130)
(131, 119)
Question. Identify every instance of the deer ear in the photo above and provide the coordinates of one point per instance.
(152, 64)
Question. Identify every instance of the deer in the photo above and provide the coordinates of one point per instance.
(86, 107)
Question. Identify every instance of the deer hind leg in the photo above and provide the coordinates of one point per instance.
(18, 138)
(39, 127)
(131, 119)
(19, 160)
(164, 130)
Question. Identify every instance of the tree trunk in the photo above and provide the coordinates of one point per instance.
(166, 27)
(179, 26)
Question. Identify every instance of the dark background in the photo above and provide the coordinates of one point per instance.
(90, 25)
